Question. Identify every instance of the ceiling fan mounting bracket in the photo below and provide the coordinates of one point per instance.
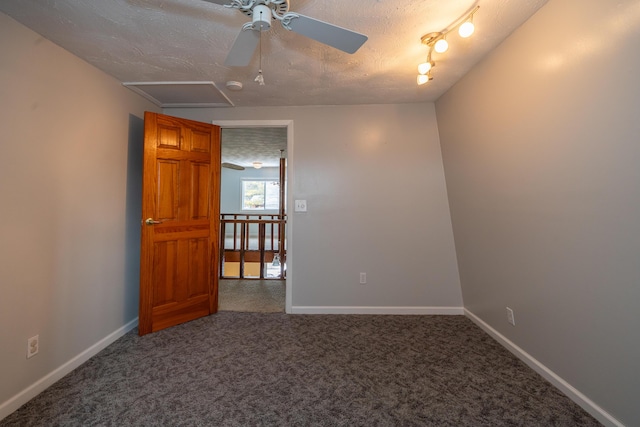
(278, 7)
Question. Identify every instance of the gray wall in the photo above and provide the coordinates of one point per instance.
(541, 150)
(70, 174)
(363, 171)
(231, 188)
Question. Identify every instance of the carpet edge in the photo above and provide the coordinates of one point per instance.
(567, 389)
(377, 310)
(14, 403)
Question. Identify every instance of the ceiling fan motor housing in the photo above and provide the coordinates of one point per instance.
(261, 18)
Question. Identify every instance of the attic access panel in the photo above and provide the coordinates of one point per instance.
(181, 94)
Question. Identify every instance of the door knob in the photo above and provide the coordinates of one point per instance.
(151, 221)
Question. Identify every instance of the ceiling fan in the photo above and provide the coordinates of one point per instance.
(232, 166)
(263, 11)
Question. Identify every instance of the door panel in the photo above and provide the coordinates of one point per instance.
(167, 199)
(198, 266)
(200, 142)
(181, 194)
(168, 136)
(165, 272)
(200, 190)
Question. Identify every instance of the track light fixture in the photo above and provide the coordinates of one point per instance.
(437, 42)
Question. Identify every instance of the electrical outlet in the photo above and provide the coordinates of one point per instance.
(33, 346)
(510, 317)
(363, 278)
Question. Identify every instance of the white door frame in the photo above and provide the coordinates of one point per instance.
(289, 125)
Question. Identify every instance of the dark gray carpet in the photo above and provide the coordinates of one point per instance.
(254, 369)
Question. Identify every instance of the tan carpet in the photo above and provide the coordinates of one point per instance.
(257, 296)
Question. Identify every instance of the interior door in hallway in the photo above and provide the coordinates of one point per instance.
(180, 222)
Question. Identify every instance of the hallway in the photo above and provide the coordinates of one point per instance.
(257, 296)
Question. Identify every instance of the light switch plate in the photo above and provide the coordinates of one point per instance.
(300, 206)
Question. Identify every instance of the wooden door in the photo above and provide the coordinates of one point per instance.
(180, 222)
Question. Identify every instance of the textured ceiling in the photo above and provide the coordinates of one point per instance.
(243, 146)
(188, 40)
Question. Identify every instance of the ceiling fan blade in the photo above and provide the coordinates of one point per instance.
(222, 2)
(243, 48)
(232, 166)
(329, 34)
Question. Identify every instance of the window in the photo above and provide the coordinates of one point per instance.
(260, 195)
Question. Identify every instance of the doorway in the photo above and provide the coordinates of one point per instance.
(256, 252)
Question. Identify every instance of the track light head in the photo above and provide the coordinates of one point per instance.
(466, 29)
(425, 67)
(441, 46)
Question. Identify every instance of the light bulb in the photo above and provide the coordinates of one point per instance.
(424, 67)
(441, 46)
(422, 79)
(466, 29)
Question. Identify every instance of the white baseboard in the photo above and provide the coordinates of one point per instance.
(587, 404)
(376, 310)
(45, 382)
